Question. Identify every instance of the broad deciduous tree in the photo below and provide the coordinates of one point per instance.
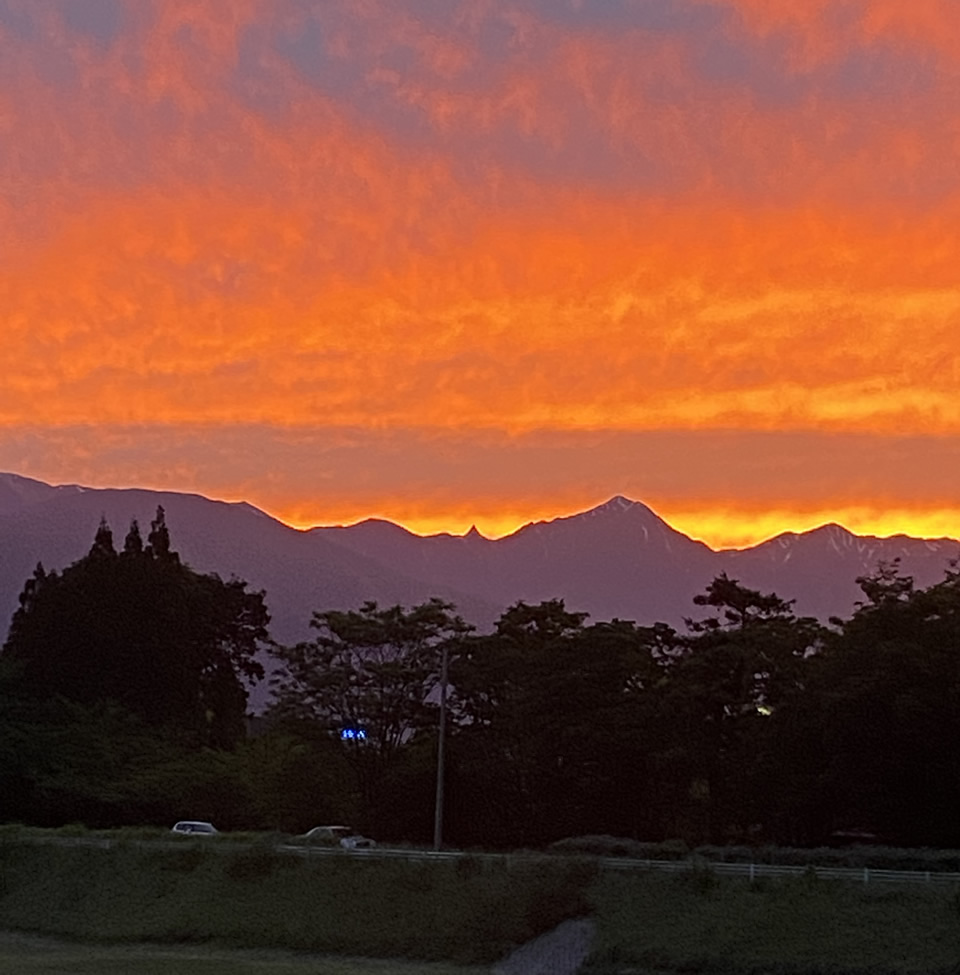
(552, 729)
(887, 690)
(737, 667)
(369, 678)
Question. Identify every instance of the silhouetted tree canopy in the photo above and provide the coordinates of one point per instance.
(552, 724)
(734, 670)
(886, 692)
(755, 724)
(140, 629)
(369, 672)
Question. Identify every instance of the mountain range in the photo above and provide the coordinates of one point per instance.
(616, 560)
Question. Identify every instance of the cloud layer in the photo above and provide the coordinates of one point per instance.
(499, 231)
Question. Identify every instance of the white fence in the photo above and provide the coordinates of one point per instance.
(752, 871)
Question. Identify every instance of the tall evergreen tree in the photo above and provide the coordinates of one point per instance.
(158, 541)
(133, 543)
(141, 629)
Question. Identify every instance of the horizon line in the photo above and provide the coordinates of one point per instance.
(706, 522)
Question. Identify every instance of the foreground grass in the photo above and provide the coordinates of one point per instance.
(465, 912)
(796, 926)
(24, 955)
(184, 897)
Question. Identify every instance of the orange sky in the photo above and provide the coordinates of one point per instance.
(488, 262)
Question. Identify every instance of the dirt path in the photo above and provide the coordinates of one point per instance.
(558, 952)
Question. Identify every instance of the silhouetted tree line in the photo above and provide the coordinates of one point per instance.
(124, 684)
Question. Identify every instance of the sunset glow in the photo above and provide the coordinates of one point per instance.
(485, 263)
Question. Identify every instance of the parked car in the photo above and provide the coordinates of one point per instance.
(343, 836)
(194, 827)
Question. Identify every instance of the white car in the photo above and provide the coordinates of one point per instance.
(194, 827)
(338, 836)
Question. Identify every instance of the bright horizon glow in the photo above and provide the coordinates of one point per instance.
(720, 529)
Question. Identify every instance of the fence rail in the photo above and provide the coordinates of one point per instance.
(752, 871)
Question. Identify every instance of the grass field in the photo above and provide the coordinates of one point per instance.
(796, 926)
(198, 892)
(292, 914)
(25, 955)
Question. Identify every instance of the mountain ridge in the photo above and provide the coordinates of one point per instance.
(618, 559)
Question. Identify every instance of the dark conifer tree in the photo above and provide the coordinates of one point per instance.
(158, 541)
(142, 630)
(133, 543)
(102, 547)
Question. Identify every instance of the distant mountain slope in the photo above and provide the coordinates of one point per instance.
(299, 572)
(819, 568)
(18, 492)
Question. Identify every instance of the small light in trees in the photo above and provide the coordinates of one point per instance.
(353, 734)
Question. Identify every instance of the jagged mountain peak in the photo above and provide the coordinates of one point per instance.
(614, 509)
(616, 537)
(618, 505)
(631, 518)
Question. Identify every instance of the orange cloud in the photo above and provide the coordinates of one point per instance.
(587, 233)
(826, 29)
(153, 315)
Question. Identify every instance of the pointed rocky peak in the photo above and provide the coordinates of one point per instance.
(618, 522)
(615, 508)
(474, 534)
(621, 510)
(618, 505)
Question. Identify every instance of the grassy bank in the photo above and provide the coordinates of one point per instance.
(250, 896)
(796, 926)
(246, 895)
(27, 955)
